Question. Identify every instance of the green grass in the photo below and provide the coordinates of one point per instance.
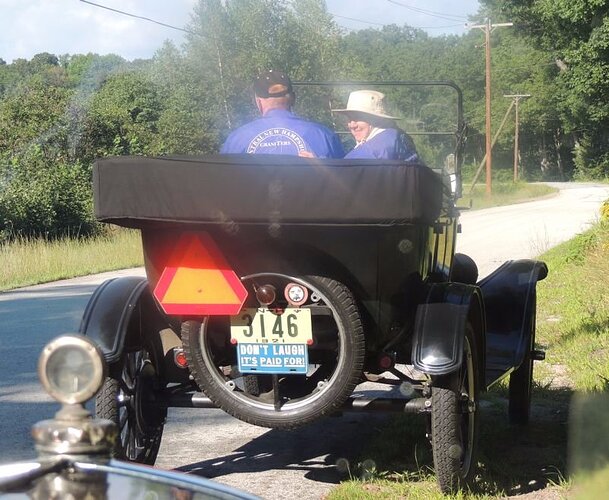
(32, 261)
(573, 315)
(565, 447)
(503, 193)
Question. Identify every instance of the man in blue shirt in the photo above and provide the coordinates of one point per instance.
(278, 130)
(375, 132)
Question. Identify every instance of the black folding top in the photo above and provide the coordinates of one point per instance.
(134, 191)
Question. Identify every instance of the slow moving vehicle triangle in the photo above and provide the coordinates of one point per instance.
(198, 280)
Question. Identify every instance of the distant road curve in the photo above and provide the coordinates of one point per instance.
(525, 230)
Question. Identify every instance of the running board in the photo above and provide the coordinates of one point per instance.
(416, 405)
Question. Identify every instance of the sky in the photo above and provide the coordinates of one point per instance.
(28, 27)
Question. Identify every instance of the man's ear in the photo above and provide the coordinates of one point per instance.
(292, 96)
(258, 103)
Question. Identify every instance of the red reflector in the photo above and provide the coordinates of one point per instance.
(180, 359)
(198, 280)
(386, 362)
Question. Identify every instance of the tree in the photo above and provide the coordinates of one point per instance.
(43, 191)
(185, 125)
(231, 42)
(48, 202)
(44, 182)
(576, 34)
(31, 117)
(87, 72)
(123, 115)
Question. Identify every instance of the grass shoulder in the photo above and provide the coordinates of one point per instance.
(29, 261)
(504, 193)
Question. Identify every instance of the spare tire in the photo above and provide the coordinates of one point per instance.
(335, 361)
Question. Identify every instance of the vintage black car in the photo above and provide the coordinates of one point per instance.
(275, 285)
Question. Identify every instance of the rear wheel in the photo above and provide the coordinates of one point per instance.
(127, 398)
(454, 422)
(278, 400)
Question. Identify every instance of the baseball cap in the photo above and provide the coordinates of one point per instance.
(273, 83)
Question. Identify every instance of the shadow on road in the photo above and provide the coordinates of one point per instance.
(314, 449)
(522, 459)
(513, 460)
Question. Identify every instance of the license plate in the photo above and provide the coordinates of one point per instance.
(272, 326)
(272, 340)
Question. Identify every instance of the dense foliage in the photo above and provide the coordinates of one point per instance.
(575, 36)
(58, 113)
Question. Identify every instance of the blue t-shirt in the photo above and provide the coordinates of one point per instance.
(282, 132)
(390, 144)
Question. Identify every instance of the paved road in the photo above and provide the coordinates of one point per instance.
(525, 230)
(298, 464)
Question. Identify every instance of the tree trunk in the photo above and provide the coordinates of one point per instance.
(557, 146)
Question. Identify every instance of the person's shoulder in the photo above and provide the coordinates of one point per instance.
(254, 126)
(387, 138)
(393, 133)
(254, 122)
(398, 136)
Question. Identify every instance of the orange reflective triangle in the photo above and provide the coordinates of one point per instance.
(198, 280)
(199, 286)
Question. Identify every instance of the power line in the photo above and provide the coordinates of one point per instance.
(440, 15)
(141, 17)
(385, 24)
(530, 67)
(354, 19)
(190, 32)
(214, 39)
(437, 27)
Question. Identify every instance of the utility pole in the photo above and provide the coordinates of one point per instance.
(515, 100)
(488, 28)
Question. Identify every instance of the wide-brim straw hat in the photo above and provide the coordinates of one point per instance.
(369, 102)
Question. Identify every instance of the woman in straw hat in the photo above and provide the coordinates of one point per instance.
(375, 132)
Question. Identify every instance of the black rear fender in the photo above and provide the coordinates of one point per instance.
(122, 314)
(440, 327)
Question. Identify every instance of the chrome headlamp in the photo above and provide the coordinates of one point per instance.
(71, 369)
